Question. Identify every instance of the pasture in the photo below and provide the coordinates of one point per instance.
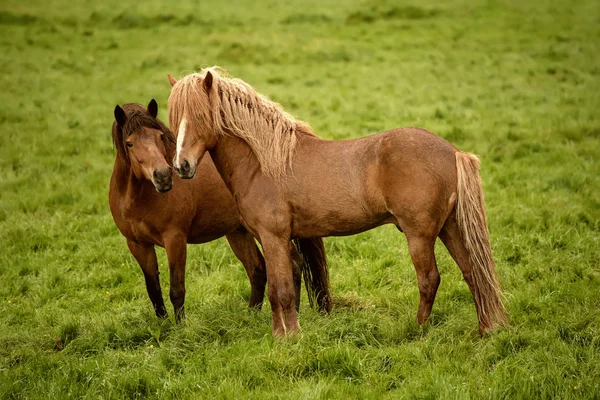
(517, 83)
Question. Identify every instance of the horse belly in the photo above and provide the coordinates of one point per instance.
(205, 237)
(343, 219)
(343, 201)
(213, 223)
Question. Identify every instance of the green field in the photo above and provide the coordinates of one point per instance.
(516, 82)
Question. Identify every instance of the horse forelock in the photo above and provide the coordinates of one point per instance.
(188, 101)
(233, 107)
(138, 119)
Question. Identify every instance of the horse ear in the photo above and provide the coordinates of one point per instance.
(120, 116)
(208, 81)
(172, 80)
(153, 108)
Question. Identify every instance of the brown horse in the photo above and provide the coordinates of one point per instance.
(186, 212)
(288, 183)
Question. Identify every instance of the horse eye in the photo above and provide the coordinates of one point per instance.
(129, 144)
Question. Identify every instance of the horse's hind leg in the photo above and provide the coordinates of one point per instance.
(297, 262)
(423, 257)
(146, 258)
(244, 247)
(452, 239)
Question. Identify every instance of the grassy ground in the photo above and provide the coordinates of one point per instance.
(516, 82)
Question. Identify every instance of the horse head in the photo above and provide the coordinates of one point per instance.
(144, 143)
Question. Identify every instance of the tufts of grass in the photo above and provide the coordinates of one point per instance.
(377, 11)
(10, 18)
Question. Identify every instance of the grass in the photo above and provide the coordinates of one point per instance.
(516, 82)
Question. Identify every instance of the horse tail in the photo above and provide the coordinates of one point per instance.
(315, 272)
(472, 222)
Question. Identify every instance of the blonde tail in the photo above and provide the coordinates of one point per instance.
(472, 222)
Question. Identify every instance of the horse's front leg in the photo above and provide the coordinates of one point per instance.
(244, 247)
(282, 294)
(175, 244)
(146, 257)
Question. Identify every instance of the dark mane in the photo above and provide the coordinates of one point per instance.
(137, 119)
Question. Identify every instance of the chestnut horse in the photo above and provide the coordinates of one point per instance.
(288, 183)
(186, 212)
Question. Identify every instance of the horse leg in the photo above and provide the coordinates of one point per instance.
(423, 257)
(244, 247)
(297, 262)
(315, 273)
(175, 245)
(282, 295)
(452, 239)
(146, 258)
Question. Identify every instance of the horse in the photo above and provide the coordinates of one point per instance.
(153, 207)
(289, 183)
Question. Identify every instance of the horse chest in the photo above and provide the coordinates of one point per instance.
(143, 231)
(139, 226)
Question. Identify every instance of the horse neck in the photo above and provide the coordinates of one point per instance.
(235, 161)
(125, 182)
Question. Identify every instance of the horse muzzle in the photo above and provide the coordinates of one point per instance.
(185, 170)
(162, 180)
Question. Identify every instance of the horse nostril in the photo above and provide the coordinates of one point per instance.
(185, 167)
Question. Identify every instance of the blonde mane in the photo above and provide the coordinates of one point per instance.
(232, 107)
